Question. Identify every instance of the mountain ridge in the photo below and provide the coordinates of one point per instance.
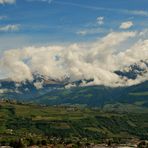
(49, 91)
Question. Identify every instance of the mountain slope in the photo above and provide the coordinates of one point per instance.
(96, 95)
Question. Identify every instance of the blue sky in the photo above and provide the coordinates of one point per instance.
(43, 22)
(81, 39)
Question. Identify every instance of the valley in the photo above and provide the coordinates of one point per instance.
(32, 124)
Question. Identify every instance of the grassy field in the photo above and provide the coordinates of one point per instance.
(139, 94)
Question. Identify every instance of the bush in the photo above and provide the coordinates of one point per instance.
(44, 142)
(17, 144)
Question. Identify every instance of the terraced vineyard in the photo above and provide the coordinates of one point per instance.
(70, 124)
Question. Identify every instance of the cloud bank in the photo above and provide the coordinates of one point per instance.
(96, 60)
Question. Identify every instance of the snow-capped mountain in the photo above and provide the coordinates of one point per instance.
(133, 71)
(29, 89)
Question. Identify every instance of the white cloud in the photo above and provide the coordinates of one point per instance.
(91, 31)
(70, 86)
(7, 1)
(8, 91)
(3, 91)
(96, 60)
(100, 20)
(136, 12)
(126, 25)
(38, 85)
(9, 28)
(125, 11)
(49, 1)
